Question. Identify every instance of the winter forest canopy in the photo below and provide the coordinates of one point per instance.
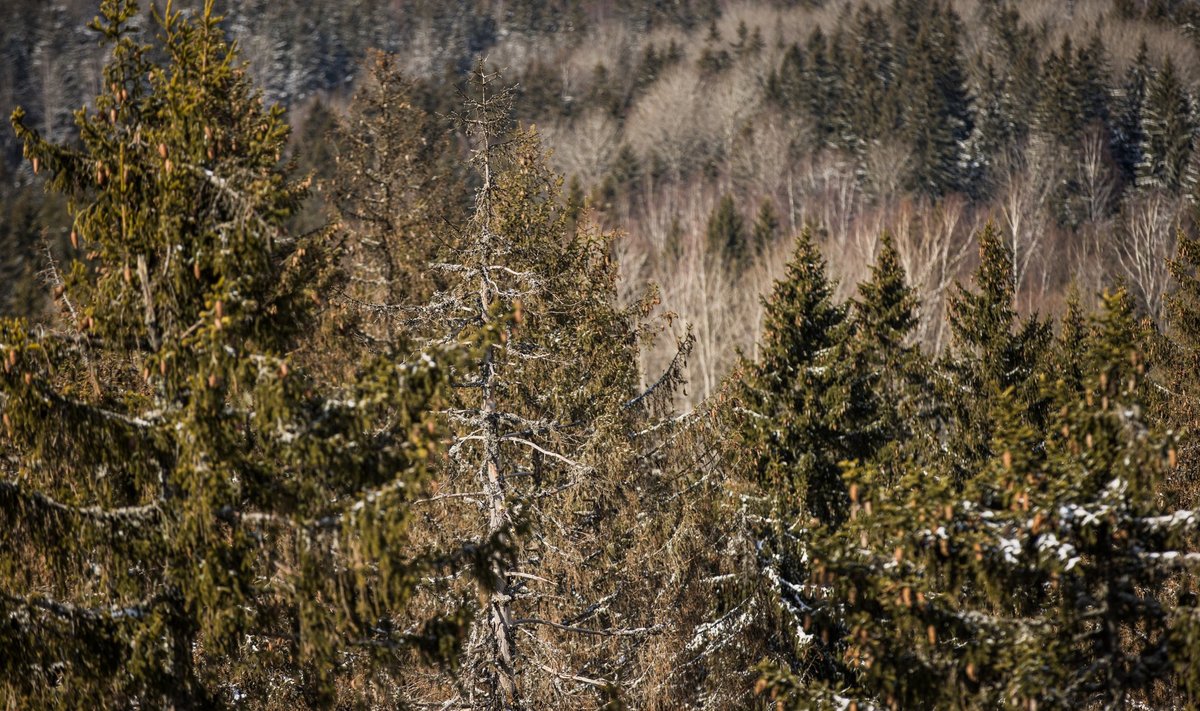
(583, 355)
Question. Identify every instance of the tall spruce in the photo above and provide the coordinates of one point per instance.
(937, 108)
(850, 396)
(790, 424)
(394, 186)
(884, 318)
(1169, 128)
(766, 227)
(809, 403)
(203, 524)
(1128, 137)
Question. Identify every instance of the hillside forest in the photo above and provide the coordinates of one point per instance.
(568, 354)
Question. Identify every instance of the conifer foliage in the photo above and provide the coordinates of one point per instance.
(549, 424)
(415, 457)
(202, 522)
(1039, 569)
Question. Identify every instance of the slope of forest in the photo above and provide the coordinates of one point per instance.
(523, 355)
(1069, 126)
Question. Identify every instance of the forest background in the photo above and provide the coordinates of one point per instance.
(710, 132)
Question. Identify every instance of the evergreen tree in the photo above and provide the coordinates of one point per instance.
(937, 109)
(714, 58)
(1092, 79)
(1060, 113)
(1069, 349)
(1017, 58)
(203, 522)
(543, 451)
(884, 319)
(829, 392)
(793, 403)
(993, 352)
(788, 88)
(1169, 128)
(394, 187)
(820, 87)
(1178, 351)
(1074, 91)
(1128, 139)
(766, 227)
(997, 130)
(726, 234)
(1036, 580)
(872, 100)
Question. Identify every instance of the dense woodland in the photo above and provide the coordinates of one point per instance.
(532, 355)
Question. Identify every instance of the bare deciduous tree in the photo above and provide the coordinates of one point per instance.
(1145, 240)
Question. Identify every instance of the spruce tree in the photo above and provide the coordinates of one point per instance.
(1178, 351)
(766, 227)
(1041, 578)
(1169, 127)
(788, 88)
(726, 233)
(188, 519)
(809, 403)
(833, 390)
(1060, 107)
(937, 108)
(992, 351)
(1128, 139)
(820, 87)
(549, 429)
(790, 427)
(884, 319)
(393, 187)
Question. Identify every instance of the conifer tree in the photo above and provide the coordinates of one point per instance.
(1038, 579)
(809, 403)
(840, 395)
(937, 110)
(548, 427)
(726, 233)
(820, 87)
(1068, 351)
(393, 188)
(1128, 106)
(766, 226)
(1074, 91)
(884, 319)
(1169, 128)
(790, 426)
(1178, 351)
(992, 352)
(188, 520)
(786, 84)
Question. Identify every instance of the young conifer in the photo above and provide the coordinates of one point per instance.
(993, 350)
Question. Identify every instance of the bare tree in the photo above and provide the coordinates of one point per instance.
(934, 245)
(1096, 179)
(1024, 195)
(1145, 241)
(585, 147)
